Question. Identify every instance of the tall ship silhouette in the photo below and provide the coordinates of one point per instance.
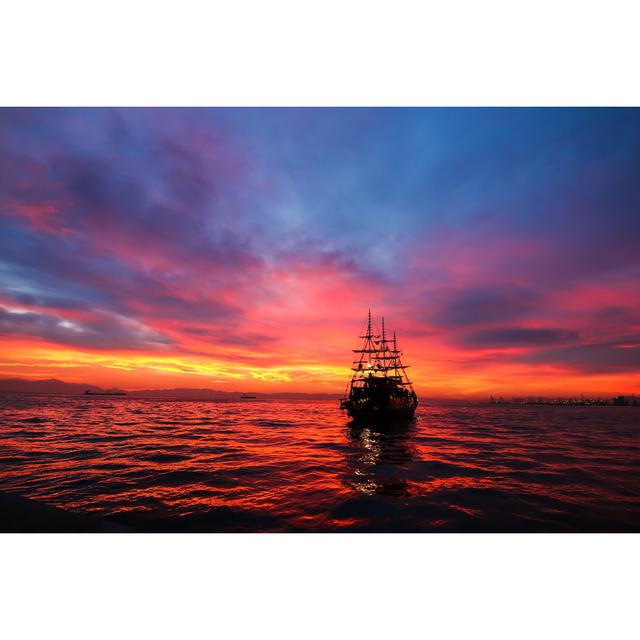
(380, 388)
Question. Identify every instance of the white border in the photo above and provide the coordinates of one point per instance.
(319, 586)
(334, 52)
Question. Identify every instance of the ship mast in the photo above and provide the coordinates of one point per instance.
(365, 362)
(400, 370)
(384, 353)
(376, 358)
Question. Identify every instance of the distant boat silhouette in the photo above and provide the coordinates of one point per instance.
(244, 396)
(380, 387)
(114, 392)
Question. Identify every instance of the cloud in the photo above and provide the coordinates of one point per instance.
(621, 356)
(266, 234)
(102, 332)
(483, 304)
(506, 337)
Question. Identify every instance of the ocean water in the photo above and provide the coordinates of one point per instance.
(174, 465)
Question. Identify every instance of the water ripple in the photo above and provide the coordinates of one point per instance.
(298, 466)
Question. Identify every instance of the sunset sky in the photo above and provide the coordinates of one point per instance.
(240, 249)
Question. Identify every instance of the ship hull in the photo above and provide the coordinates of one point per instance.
(370, 412)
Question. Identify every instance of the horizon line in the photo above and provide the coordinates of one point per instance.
(475, 395)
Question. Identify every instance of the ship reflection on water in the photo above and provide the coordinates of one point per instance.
(379, 456)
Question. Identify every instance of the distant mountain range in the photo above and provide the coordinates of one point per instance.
(19, 385)
(53, 386)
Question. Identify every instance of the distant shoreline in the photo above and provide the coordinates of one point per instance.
(54, 386)
(144, 396)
